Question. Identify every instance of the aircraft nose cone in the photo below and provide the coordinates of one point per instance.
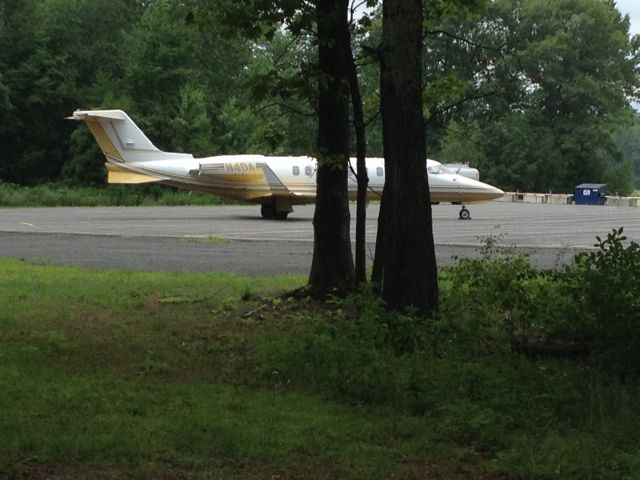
(476, 191)
(494, 192)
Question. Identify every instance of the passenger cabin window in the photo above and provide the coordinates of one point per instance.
(296, 170)
(380, 171)
(308, 171)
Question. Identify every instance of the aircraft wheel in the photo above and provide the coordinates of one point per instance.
(465, 214)
(281, 215)
(268, 211)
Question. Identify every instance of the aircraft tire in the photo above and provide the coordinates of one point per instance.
(281, 215)
(464, 214)
(267, 211)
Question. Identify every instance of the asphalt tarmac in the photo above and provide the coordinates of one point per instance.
(236, 239)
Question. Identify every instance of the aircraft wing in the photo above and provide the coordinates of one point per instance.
(275, 184)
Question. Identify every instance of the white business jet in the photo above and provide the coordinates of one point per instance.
(276, 183)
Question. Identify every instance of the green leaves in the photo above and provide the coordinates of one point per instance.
(547, 84)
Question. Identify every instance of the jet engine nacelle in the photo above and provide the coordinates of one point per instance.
(464, 170)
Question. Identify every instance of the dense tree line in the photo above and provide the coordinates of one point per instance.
(536, 94)
(171, 65)
(549, 87)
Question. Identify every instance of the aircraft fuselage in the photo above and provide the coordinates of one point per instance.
(275, 182)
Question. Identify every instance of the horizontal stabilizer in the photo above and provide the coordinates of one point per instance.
(112, 114)
(119, 175)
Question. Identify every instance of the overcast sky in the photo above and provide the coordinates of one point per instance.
(631, 8)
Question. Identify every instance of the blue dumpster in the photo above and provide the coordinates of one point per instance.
(591, 194)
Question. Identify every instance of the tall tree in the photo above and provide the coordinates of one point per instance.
(49, 69)
(408, 274)
(361, 151)
(548, 83)
(332, 265)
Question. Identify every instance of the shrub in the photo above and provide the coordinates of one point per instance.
(487, 301)
(606, 285)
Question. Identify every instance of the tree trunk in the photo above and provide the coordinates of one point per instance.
(361, 163)
(378, 259)
(409, 274)
(332, 268)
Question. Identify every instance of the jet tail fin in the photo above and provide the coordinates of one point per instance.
(120, 139)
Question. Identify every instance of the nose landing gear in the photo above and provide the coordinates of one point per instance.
(464, 214)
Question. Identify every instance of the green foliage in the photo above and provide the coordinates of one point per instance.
(274, 112)
(87, 161)
(492, 301)
(449, 88)
(487, 300)
(489, 305)
(607, 283)
(175, 368)
(557, 457)
(458, 377)
(628, 141)
(463, 144)
(521, 81)
(192, 126)
(547, 110)
(619, 177)
(48, 68)
(68, 195)
(350, 354)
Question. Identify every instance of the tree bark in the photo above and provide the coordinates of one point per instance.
(361, 163)
(409, 273)
(332, 268)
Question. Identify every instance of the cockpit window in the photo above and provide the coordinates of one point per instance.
(438, 170)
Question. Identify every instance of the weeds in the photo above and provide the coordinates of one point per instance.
(557, 417)
(67, 195)
(204, 376)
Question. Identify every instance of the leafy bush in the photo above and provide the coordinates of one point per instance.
(606, 285)
(489, 301)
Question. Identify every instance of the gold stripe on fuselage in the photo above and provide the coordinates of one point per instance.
(247, 194)
(246, 178)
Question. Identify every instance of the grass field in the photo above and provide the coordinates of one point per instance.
(213, 376)
(67, 195)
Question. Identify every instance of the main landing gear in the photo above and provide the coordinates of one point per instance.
(464, 214)
(269, 211)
